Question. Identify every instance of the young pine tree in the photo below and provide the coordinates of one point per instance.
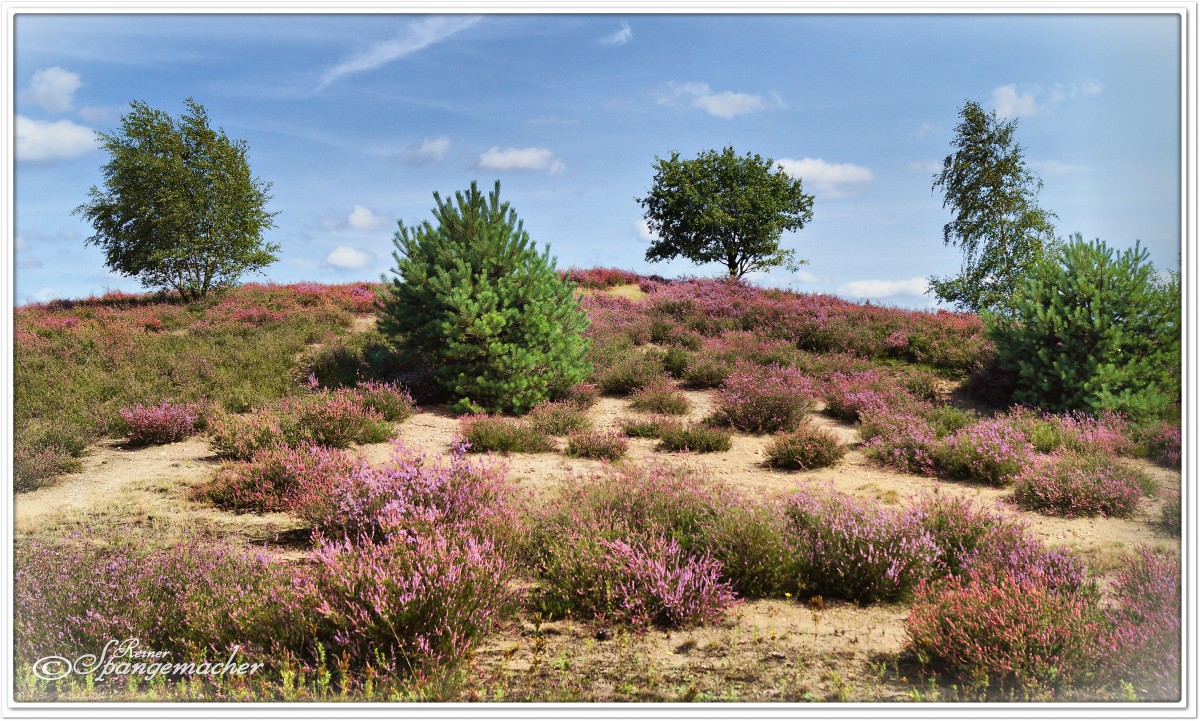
(473, 298)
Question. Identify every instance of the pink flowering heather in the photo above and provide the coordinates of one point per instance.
(483, 433)
(655, 582)
(764, 399)
(334, 418)
(597, 444)
(277, 479)
(600, 277)
(412, 602)
(1074, 484)
(848, 395)
(1147, 622)
(900, 438)
(164, 423)
(859, 551)
(240, 437)
(990, 451)
(1161, 442)
(390, 400)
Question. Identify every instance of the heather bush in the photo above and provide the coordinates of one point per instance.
(1147, 623)
(240, 437)
(601, 277)
(652, 427)
(695, 438)
(583, 395)
(595, 444)
(411, 602)
(764, 400)
(902, 439)
(990, 451)
(35, 465)
(164, 423)
(1074, 484)
(484, 432)
(626, 374)
(805, 448)
(659, 397)
(558, 418)
(387, 399)
(72, 598)
(473, 298)
(276, 479)
(1011, 634)
(1171, 516)
(849, 395)
(857, 551)
(336, 418)
(1160, 441)
(706, 372)
(676, 361)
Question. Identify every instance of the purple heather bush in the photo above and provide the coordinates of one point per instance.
(659, 396)
(805, 448)
(390, 400)
(990, 451)
(1161, 442)
(849, 395)
(164, 423)
(558, 418)
(1072, 484)
(1147, 620)
(903, 439)
(764, 399)
(501, 434)
(276, 479)
(859, 551)
(607, 446)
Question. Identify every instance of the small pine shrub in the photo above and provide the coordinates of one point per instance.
(474, 298)
(805, 448)
(503, 435)
(558, 418)
(1091, 331)
(660, 397)
(593, 444)
(1072, 484)
(764, 399)
(164, 423)
(694, 439)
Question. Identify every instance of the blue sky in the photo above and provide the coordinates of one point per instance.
(357, 119)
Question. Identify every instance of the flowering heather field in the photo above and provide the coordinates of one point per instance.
(758, 495)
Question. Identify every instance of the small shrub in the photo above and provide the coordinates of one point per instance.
(849, 395)
(947, 420)
(390, 400)
(1147, 621)
(694, 439)
(503, 435)
(856, 551)
(1007, 634)
(335, 418)
(657, 583)
(164, 423)
(1073, 484)
(240, 437)
(606, 446)
(1161, 442)
(627, 374)
(558, 418)
(676, 361)
(1171, 516)
(275, 479)
(660, 397)
(805, 448)
(991, 451)
(583, 395)
(764, 400)
(706, 373)
(652, 427)
(901, 439)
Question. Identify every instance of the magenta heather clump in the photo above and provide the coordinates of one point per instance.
(1075, 484)
(277, 479)
(993, 451)
(849, 395)
(656, 582)
(901, 438)
(164, 423)
(764, 399)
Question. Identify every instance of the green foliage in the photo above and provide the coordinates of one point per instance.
(997, 223)
(723, 208)
(179, 208)
(1092, 330)
(473, 298)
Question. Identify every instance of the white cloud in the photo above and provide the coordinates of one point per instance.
(803, 276)
(417, 36)
(363, 218)
(620, 37)
(1009, 102)
(347, 258)
(825, 178)
(430, 151)
(644, 232)
(53, 89)
(43, 294)
(39, 140)
(521, 159)
(883, 288)
(725, 104)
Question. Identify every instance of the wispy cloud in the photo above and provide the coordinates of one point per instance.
(41, 141)
(883, 288)
(620, 37)
(417, 36)
(360, 218)
(726, 104)
(430, 151)
(346, 258)
(828, 179)
(53, 89)
(1009, 101)
(521, 159)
